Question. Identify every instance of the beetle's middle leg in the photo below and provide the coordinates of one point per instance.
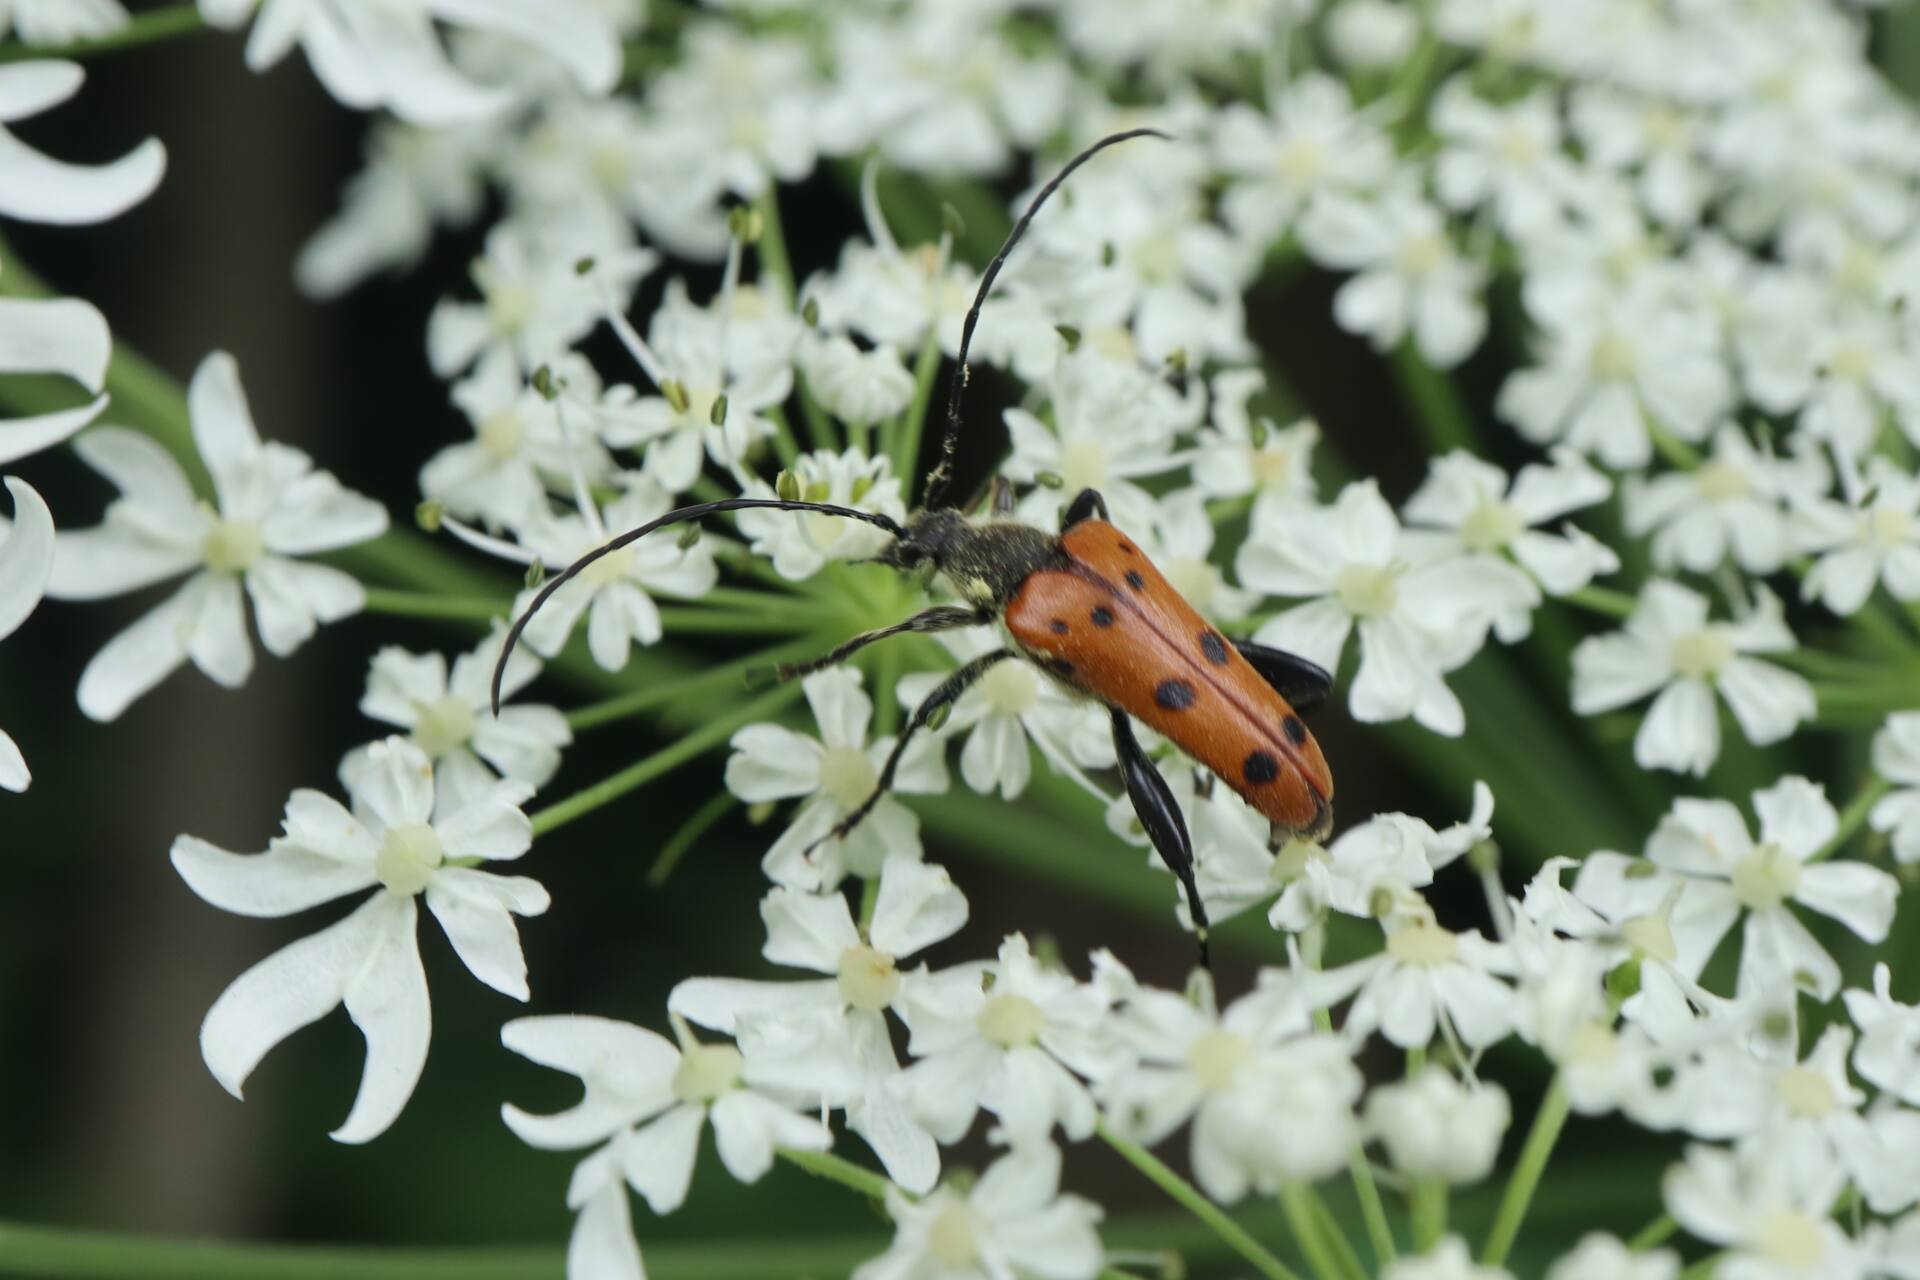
(1160, 814)
(945, 617)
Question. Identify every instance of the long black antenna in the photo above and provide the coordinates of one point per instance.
(680, 516)
(942, 473)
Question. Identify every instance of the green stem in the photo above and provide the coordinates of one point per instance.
(1853, 816)
(687, 836)
(725, 622)
(824, 1164)
(1306, 1232)
(1677, 452)
(1334, 1233)
(622, 706)
(1188, 1196)
(912, 424)
(1603, 600)
(1429, 1213)
(1372, 1211)
(1443, 415)
(1703, 1269)
(1547, 1123)
(710, 734)
(772, 244)
(148, 27)
(1653, 1233)
(420, 604)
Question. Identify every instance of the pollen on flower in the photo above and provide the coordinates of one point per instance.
(706, 1071)
(1368, 591)
(1765, 878)
(1719, 481)
(847, 776)
(1291, 862)
(408, 858)
(1012, 688)
(1216, 1057)
(1272, 467)
(868, 979)
(610, 568)
(1805, 1092)
(1010, 1021)
(443, 725)
(1791, 1239)
(951, 1237)
(1888, 527)
(232, 546)
(1612, 356)
(1423, 944)
(1699, 655)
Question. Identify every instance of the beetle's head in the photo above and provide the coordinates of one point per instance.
(928, 541)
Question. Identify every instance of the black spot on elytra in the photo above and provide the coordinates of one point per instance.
(1059, 667)
(1174, 695)
(1135, 581)
(1060, 627)
(1214, 647)
(1102, 616)
(1296, 732)
(1260, 767)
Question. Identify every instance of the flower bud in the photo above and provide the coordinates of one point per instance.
(543, 383)
(787, 486)
(1435, 1127)
(429, 514)
(718, 414)
(676, 394)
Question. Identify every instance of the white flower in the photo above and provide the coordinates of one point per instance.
(273, 506)
(1416, 621)
(614, 591)
(738, 111)
(397, 842)
(890, 295)
(26, 558)
(1435, 1127)
(1875, 540)
(387, 53)
(52, 335)
(1013, 702)
(858, 387)
(648, 1100)
(1447, 1260)
(802, 543)
(1410, 278)
(1844, 369)
(1271, 1101)
(1599, 1256)
(1887, 1055)
(1896, 757)
(43, 22)
(1012, 1049)
(1507, 157)
(1735, 503)
(1769, 1206)
(1473, 499)
(1725, 873)
(1013, 1222)
(836, 773)
(1669, 647)
(1423, 975)
(1657, 143)
(37, 188)
(916, 906)
(1237, 455)
(1311, 140)
(1179, 539)
(1371, 35)
(450, 718)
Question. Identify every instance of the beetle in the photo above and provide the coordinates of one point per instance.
(1087, 607)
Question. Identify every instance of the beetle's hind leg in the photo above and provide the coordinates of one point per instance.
(1160, 814)
(944, 617)
(943, 695)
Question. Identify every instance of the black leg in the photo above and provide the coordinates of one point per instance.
(938, 618)
(1159, 813)
(1304, 684)
(943, 695)
(1085, 505)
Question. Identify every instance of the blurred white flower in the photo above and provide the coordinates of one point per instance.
(400, 840)
(1874, 540)
(1012, 1222)
(26, 558)
(855, 386)
(37, 188)
(1736, 504)
(46, 22)
(1769, 1205)
(1447, 1260)
(1896, 757)
(272, 506)
(52, 335)
(1599, 1256)
(1433, 1126)
(1238, 455)
(802, 543)
(1276, 162)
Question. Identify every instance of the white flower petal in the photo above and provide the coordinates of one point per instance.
(659, 1158)
(285, 879)
(26, 556)
(55, 335)
(138, 658)
(13, 766)
(38, 188)
(476, 908)
(387, 999)
(918, 906)
(602, 1246)
(1858, 896)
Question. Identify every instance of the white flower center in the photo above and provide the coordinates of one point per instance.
(1699, 655)
(1518, 147)
(1011, 688)
(847, 776)
(706, 1071)
(750, 302)
(443, 725)
(609, 568)
(1424, 945)
(1805, 1092)
(1291, 862)
(868, 980)
(1157, 257)
(950, 1238)
(1719, 481)
(1889, 526)
(1651, 937)
(1791, 1239)
(509, 307)
(610, 168)
(1765, 878)
(1299, 162)
(501, 434)
(1196, 580)
(824, 531)
(1272, 467)
(232, 546)
(1113, 342)
(1593, 1045)
(1010, 1021)
(1216, 1057)
(1083, 465)
(1850, 360)
(1419, 255)
(1612, 357)
(1368, 590)
(408, 857)
(1491, 525)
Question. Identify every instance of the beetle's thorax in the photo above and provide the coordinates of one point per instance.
(986, 563)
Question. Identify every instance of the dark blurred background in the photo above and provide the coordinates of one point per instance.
(107, 962)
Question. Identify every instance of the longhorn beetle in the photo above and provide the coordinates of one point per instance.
(1087, 607)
